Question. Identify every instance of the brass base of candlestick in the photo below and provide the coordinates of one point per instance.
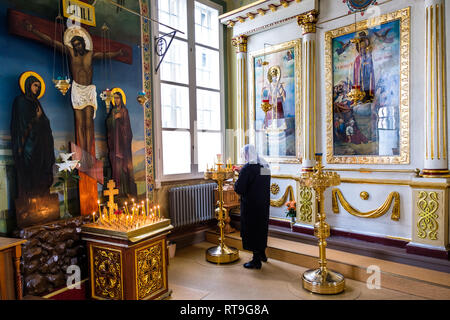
(222, 255)
(329, 283)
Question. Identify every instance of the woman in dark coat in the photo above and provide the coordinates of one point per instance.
(253, 185)
(32, 142)
(120, 138)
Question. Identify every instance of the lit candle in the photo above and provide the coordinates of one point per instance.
(159, 212)
(147, 207)
(93, 217)
(126, 207)
(143, 207)
(98, 203)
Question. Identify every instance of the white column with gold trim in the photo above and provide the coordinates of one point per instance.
(436, 138)
(240, 42)
(308, 23)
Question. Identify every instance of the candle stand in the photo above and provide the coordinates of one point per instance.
(222, 253)
(321, 280)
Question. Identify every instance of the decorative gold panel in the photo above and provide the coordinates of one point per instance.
(150, 264)
(337, 194)
(106, 268)
(427, 223)
(305, 205)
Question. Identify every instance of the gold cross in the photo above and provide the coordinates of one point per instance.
(111, 192)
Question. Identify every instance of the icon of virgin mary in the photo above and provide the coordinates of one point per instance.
(32, 139)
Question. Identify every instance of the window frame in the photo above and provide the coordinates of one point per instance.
(192, 87)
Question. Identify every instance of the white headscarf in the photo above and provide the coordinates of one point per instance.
(250, 155)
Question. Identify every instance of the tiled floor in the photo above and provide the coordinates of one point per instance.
(191, 277)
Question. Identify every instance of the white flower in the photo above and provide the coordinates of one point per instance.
(66, 156)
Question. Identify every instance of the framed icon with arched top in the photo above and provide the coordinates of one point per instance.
(275, 102)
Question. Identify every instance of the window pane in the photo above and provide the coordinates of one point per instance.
(208, 110)
(207, 64)
(173, 14)
(175, 106)
(206, 25)
(176, 152)
(209, 145)
(175, 64)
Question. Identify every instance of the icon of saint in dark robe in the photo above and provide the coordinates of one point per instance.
(120, 138)
(32, 139)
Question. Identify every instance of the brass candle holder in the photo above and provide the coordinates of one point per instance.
(321, 280)
(63, 85)
(222, 253)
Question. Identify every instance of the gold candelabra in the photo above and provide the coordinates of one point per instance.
(321, 280)
(222, 253)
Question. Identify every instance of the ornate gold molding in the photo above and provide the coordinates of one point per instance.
(336, 193)
(280, 202)
(305, 204)
(308, 21)
(240, 42)
(274, 188)
(427, 225)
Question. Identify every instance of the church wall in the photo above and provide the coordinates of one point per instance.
(333, 14)
(20, 54)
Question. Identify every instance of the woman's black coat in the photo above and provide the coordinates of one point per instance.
(254, 189)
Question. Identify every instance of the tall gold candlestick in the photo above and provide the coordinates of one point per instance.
(222, 253)
(321, 280)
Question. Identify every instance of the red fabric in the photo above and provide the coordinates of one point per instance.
(72, 294)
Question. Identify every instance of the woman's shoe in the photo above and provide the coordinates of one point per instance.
(263, 257)
(253, 265)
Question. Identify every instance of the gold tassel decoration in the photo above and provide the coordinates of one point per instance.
(280, 202)
(337, 194)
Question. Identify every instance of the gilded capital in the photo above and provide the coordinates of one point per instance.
(240, 42)
(308, 21)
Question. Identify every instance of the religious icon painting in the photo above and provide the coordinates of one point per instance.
(367, 90)
(275, 101)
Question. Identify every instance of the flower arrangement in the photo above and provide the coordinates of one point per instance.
(291, 209)
(66, 171)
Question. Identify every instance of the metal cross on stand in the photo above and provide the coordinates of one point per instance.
(111, 192)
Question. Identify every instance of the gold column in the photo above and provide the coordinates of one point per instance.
(436, 145)
(240, 42)
(308, 23)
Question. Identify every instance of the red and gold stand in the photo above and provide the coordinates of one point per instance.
(128, 265)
